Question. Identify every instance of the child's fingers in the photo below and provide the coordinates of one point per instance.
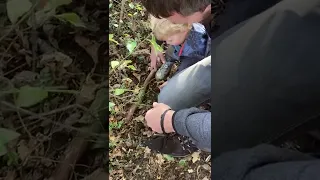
(162, 85)
(162, 59)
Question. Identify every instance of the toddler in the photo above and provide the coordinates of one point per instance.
(188, 44)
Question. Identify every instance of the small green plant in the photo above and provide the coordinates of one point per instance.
(72, 18)
(168, 157)
(115, 125)
(111, 39)
(155, 45)
(12, 158)
(182, 162)
(131, 45)
(123, 64)
(6, 136)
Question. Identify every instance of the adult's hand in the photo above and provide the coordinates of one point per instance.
(156, 57)
(153, 118)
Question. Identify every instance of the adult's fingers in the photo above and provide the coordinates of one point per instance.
(155, 104)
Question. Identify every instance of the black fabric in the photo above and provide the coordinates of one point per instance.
(265, 162)
(265, 76)
(186, 62)
(233, 12)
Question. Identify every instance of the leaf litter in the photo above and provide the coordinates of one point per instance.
(53, 110)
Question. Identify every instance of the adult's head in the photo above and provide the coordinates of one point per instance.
(179, 11)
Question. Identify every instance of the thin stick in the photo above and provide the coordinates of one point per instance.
(46, 119)
(141, 95)
(123, 2)
(24, 126)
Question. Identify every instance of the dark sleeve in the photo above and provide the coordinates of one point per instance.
(265, 76)
(196, 124)
(265, 162)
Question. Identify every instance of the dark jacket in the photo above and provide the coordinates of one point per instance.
(265, 162)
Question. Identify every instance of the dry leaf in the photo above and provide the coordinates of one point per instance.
(195, 157)
(90, 46)
(138, 76)
(55, 57)
(24, 78)
(206, 167)
(23, 150)
(160, 159)
(139, 118)
(98, 174)
(87, 92)
(190, 171)
(208, 158)
(147, 151)
(72, 119)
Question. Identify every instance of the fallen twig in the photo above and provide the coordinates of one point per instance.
(123, 2)
(141, 95)
(47, 119)
(80, 143)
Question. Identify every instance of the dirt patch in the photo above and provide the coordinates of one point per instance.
(53, 95)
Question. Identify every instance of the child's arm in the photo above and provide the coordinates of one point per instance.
(156, 57)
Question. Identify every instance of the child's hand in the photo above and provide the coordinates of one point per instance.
(162, 85)
(156, 57)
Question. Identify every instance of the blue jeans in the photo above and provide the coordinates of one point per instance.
(188, 88)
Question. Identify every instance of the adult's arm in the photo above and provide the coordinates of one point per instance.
(196, 124)
(265, 162)
(266, 77)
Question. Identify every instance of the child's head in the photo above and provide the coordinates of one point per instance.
(173, 34)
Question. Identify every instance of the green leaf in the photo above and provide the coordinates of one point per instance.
(182, 162)
(131, 44)
(118, 92)
(114, 64)
(72, 18)
(156, 46)
(110, 5)
(41, 17)
(126, 62)
(131, 5)
(6, 136)
(132, 67)
(16, 8)
(111, 105)
(13, 158)
(119, 124)
(111, 39)
(53, 4)
(29, 96)
(57, 3)
(168, 157)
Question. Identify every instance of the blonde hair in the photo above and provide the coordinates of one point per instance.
(162, 28)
